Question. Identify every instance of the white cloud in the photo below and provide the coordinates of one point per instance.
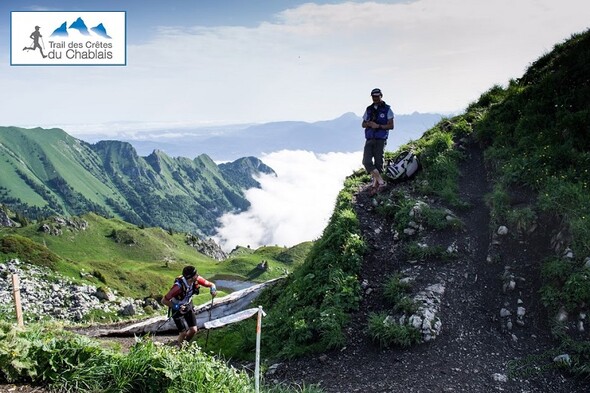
(312, 62)
(293, 207)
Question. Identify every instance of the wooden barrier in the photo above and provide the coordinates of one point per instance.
(224, 306)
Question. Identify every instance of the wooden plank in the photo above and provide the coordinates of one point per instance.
(221, 307)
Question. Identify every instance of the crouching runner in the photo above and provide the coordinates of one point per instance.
(179, 300)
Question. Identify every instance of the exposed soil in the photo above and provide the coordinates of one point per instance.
(475, 351)
(474, 343)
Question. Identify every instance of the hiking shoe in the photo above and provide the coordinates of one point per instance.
(381, 187)
(172, 343)
(372, 189)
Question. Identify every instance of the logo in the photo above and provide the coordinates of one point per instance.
(68, 38)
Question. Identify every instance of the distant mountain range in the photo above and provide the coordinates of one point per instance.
(47, 171)
(343, 134)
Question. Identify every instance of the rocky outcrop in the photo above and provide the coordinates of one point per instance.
(58, 224)
(426, 319)
(5, 221)
(206, 246)
(45, 294)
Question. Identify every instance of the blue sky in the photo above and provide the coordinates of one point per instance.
(195, 63)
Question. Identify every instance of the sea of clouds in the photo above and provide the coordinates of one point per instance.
(292, 207)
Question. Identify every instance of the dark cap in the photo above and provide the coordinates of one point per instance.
(37, 27)
(376, 92)
(189, 272)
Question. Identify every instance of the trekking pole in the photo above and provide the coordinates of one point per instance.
(162, 324)
(210, 307)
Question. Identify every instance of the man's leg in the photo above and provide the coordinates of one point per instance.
(191, 322)
(40, 50)
(190, 333)
(181, 338)
(182, 326)
(368, 154)
(377, 179)
(379, 152)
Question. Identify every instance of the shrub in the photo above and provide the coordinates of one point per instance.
(98, 274)
(421, 252)
(124, 236)
(521, 219)
(307, 313)
(556, 270)
(67, 362)
(395, 290)
(27, 250)
(498, 201)
(386, 332)
(402, 217)
(436, 218)
(565, 284)
(572, 202)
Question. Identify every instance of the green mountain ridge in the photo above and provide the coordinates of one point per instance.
(46, 172)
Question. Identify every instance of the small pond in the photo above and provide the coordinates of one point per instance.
(229, 283)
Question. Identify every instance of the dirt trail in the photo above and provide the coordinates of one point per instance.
(474, 352)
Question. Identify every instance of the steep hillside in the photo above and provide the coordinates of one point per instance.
(48, 172)
(474, 274)
(428, 268)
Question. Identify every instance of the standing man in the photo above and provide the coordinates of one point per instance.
(179, 299)
(35, 36)
(377, 121)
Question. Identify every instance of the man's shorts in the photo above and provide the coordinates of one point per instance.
(184, 321)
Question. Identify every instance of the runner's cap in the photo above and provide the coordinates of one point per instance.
(376, 92)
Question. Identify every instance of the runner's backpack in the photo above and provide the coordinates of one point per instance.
(184, 289)
(403, 167)
(180, 281)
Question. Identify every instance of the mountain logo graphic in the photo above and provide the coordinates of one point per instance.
(64, 38)
(80, 26)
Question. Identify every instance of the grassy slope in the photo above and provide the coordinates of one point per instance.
(45, 154)
(10, 159)
(242, 260)
(146, 261)
(75, 162)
